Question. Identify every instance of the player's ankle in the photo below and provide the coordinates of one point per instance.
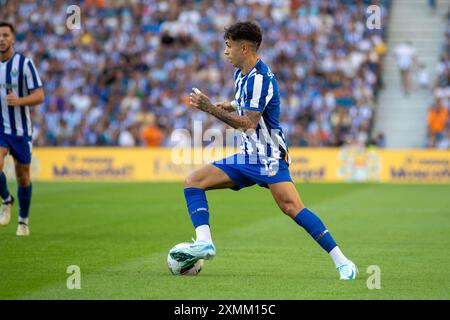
(23, 220)
(7, 199)
(203, 233)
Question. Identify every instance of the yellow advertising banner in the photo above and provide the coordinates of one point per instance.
(308, 164)
(432, 166)
(349, 164)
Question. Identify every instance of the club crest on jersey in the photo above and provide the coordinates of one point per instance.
(272, 173)
(14, 73)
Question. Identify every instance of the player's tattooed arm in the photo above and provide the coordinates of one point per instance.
(225, 106)
(249, 121)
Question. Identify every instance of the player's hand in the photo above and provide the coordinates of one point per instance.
(199, 100)
(12, 100)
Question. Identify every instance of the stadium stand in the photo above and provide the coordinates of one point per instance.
(438, 115)
(123, 79)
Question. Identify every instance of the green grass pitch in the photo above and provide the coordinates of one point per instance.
(119, 235)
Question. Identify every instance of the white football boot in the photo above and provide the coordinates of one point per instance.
(347, 270)
(5, 211)
(197, 250)
(22, 229)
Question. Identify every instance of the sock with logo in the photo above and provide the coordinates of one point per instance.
(315, 227)
(199, 212)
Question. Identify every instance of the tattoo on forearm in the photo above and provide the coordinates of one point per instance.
(250, 121)
(229, 109)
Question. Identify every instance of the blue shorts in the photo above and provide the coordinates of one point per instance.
(18, 147)
(246, 173)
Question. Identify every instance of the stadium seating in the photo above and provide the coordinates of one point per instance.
(438, 115)
(123, 79)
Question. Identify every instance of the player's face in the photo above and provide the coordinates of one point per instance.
(233, 52)
(6, 39)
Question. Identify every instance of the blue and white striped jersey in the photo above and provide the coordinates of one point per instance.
(258, 91)
(19, 75)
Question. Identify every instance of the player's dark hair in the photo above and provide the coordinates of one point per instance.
(244, 31)
(9, 25)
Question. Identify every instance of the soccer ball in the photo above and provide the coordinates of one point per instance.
(180, 264)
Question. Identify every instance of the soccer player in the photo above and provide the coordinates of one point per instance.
(20, 88)
(264, 159)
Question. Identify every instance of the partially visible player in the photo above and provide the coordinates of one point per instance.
(20, 88)
(264, 159)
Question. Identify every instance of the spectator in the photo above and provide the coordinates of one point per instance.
(131, 102)
(423, 77)
(445, 142)
(378, 140)
(405, 54)
(432, 5)
(438, 118)
(128, 137)
(437, 122)
(152, 135)
(341, 123)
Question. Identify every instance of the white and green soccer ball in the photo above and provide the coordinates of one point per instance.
(182, 264)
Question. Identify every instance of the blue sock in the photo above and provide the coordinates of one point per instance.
(315, 227)
(197, 206)
(24, 196)
(4, 193)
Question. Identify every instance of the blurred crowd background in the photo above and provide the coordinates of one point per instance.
(438, 115)
(124, 78)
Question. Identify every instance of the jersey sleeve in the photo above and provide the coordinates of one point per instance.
(259, 92)
(32, 79)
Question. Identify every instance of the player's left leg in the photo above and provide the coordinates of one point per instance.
(21, 148)
(289, 201)
(24, 191)
(6, 197)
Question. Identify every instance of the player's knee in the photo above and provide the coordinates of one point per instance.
(23, 179)
(192, 182)
(187, 182)
(290, 208)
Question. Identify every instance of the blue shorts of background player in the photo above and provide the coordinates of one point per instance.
(19, 147)
(247, 172)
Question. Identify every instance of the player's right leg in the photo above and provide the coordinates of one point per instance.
(7, 199)
(206, 178)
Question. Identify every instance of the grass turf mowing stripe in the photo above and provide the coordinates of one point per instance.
(119, 234)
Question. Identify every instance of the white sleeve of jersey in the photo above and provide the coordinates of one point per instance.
(32, 79)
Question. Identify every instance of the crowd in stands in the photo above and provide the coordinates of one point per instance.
(124, 77)
(438, 115)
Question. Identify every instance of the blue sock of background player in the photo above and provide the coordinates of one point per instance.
(24, 197)
(4, 192)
